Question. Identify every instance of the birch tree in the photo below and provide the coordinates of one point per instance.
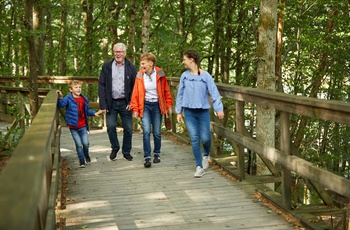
(266, 78)
(146, 25)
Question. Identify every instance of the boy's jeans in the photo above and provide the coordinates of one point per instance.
(80, 137)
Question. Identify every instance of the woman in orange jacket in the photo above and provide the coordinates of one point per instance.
(151, 99)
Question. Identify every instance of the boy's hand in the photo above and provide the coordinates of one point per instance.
(99, 112)
(59, 92)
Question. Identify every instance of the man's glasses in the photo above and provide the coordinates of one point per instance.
(118, 52)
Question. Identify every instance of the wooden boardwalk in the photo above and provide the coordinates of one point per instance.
(119, 194)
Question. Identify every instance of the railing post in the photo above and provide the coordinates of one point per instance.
(240, 129)
(285, 148)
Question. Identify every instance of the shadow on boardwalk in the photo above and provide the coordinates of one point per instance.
(119, 194)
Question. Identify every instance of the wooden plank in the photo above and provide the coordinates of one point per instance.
(125, 195)
(23, 193)
(23, 90)
(286, 149)
(300, 166)
(51, 79)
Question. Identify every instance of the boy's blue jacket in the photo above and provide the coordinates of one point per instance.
(72, 109)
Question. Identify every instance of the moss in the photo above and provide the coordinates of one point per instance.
(268, 23)
(261, 50)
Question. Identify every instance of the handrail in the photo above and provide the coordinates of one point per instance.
(329, 110)
(29, 180)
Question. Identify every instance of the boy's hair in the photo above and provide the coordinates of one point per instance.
(74, 82)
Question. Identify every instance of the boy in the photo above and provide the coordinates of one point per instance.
(77, 112)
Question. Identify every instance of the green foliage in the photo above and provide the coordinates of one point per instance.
(9, 140)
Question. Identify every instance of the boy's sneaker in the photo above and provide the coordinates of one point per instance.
(128, 157)
(205, 162)
(199, 172)
(82, 164)
(156, 158)
(147, 163)
(114, 154)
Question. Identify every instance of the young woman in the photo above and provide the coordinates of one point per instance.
(192, 99)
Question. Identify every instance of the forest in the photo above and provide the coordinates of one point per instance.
(311, 50)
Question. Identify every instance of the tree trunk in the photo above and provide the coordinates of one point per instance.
(266, 53)
(279, 86)
(115, 13)
(217, 40)
(33, 73)
(131, 42)
(182, 25)
(316, 84)
(238, 53)
(51, 51)
(62, 61)
(39, 25)
(88, 8)
(145, 25)
(229, 37)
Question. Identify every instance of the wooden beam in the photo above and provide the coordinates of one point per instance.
(24, 194)
(300, 166)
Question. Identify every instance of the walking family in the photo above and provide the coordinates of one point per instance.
(127, 93)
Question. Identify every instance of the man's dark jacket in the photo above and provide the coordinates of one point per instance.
(105, 83)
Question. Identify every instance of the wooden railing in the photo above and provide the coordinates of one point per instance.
(287, 158)
(29, 182)
(286, 104)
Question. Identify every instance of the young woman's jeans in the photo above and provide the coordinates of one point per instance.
(198, 126)
(119, 107)
(151, 116)
(80, 137)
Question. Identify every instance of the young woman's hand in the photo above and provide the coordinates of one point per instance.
(220, 114)
(179, 118)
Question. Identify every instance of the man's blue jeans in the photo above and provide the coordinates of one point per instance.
(119, 107)
(198, 126)
(151, 116)
(81, 140)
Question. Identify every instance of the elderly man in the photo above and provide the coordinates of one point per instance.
(115, 85)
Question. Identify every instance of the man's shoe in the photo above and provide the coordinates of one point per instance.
(199, 172)
(82, 164)
(147, 163)
(128, 157)
(205, 162)
(114, 154)
(87, 159)
(156, 158)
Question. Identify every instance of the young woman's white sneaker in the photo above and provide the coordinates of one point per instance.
(205, 162)
(199, 172)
